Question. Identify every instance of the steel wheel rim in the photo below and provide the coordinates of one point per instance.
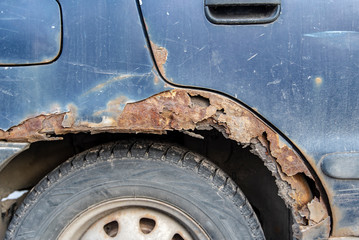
(133, 219)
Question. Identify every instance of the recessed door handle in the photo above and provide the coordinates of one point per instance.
(242, 11)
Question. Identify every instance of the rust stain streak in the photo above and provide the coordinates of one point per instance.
(156, 79)
(110, 81)
(114, 107)
(160, 54)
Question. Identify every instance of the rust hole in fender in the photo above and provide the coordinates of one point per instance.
(189, 110)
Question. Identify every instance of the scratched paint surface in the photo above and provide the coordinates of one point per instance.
(104, 57)
(300, 73)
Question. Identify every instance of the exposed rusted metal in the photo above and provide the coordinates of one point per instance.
(188, 110)
(34, 129)
(160, 54)
(316, 211)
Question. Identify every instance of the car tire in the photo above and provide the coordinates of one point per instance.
(171, 188)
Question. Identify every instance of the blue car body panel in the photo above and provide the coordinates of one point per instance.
(299, 72)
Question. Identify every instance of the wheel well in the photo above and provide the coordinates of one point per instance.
(199, 114)
(245, 168)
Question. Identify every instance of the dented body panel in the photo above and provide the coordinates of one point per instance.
(121, 73)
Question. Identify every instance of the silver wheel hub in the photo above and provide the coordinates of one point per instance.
(133, 219)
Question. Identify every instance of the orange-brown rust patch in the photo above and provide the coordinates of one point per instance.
(34, 129)
(289, 161)
(160, 54)
(302, 193)
(318, 81)
(171, 110)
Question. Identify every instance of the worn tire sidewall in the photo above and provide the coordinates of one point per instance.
(101, 181)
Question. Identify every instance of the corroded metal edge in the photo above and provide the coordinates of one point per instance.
(188, 110)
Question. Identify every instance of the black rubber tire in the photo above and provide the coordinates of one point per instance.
(143, 169)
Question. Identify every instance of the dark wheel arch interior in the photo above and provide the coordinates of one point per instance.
(246, 169)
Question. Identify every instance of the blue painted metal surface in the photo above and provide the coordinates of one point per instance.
(104, 57)
(300, 73)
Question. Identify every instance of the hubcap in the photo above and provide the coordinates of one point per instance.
(133, 219)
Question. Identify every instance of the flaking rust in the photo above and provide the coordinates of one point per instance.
(160, 54)
(35, 129)
(187, 110)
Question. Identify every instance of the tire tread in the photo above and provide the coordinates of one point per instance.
(154, 151)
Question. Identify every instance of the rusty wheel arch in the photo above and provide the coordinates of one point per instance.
(188, 110)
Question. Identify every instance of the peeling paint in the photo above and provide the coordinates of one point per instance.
(187, 110)
(317, 212)
(160, 54)
(114, 107)
(35, 129)
(70, 117)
